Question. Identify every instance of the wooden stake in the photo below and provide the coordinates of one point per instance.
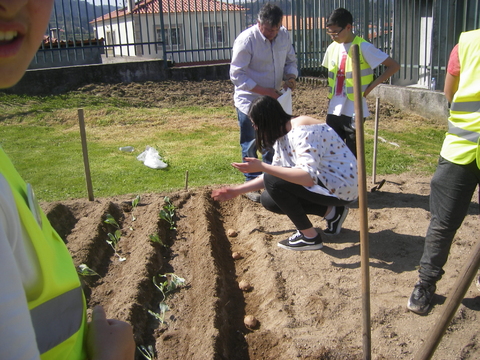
(362, 204)
(86, 164)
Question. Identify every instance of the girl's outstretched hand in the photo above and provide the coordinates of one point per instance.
(250, 165)
(224, 194)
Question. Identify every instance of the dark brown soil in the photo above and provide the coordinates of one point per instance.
(308, 304)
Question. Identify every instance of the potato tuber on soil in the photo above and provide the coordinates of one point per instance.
(250, 321)
(244, 285)
(231, 233)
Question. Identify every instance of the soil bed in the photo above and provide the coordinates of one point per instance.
(308, 304)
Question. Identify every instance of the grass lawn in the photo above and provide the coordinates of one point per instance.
(41, 136)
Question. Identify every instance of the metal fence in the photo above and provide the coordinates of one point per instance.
(419, 34)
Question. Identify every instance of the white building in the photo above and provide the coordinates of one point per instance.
(193, 31)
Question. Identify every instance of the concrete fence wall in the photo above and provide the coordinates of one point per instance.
(426, 103)
(62, 79)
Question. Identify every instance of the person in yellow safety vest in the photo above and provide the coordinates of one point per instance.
(42, 306)
(338, 61)
(457, 174)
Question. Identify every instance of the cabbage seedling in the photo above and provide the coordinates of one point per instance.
(134, 206)
(114, 239)
(171, 283)
(147, 352)
(84, 270)
(111, 220)
(168, 213)
(160, 316)
(155, 238)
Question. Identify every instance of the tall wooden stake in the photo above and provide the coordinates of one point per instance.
(88, 179)
(362, 204)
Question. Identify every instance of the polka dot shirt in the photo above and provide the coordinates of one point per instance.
(318, 150)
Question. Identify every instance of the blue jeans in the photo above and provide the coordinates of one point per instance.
(248, 143)
(452, 187)
(295, 201)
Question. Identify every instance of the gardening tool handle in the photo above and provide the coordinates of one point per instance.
(362, 203)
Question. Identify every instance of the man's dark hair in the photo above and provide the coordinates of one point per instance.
(340, 17)
(270, 121)
(270, 14)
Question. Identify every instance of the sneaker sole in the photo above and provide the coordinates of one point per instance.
(340, 223)
(301, 248)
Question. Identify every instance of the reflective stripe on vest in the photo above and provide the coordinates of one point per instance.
(463, 133)
(67, 310)
(471, 106)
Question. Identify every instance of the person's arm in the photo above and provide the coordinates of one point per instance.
(293, 175)
(291, 68)
(391, 67)
(452, 77)
(451, 86)
(230, 192)
(109, 339)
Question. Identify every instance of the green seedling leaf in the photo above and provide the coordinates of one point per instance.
(111, 220)
(84, 270)
(171, 282)
(134, 206)
(148, 352)
(155, 238)
(163, 308)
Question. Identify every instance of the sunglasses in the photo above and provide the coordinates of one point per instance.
(335, 34)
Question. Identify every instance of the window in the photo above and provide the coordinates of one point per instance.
(110, 38)
(173, 37)
(213, 35)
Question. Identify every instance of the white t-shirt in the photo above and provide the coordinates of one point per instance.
(18, 275)
(340, 104)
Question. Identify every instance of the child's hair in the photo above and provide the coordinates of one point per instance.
(270, 14)
(340, 17)
(270, 121)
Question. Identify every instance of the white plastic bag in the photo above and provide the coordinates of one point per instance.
(286, 101)
(151, 158)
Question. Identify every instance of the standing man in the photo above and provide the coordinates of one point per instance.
(457, 174)
(263, 56)
(338, 61)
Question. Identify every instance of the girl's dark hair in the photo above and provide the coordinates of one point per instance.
(270, 121)
(340, 17)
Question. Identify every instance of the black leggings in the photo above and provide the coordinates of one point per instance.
(295, 201)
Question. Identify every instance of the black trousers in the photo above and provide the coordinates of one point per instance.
(343, 127)
(295, 201)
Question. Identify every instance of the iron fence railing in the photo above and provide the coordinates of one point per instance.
(419, 34)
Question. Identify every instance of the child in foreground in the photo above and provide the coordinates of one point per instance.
(42, 306)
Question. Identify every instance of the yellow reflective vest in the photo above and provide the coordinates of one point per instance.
(461, 144)
(365, 69)
(58, 307)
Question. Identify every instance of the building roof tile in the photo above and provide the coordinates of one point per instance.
(171, 6)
